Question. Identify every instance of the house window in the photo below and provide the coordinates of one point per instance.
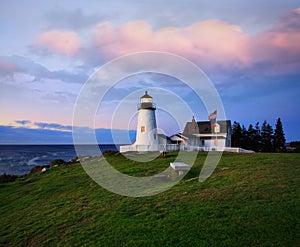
(154, 136)
(202, 142)
(143, 129)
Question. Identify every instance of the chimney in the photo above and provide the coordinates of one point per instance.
(193, 123)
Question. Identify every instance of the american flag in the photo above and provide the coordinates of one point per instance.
(213, 117)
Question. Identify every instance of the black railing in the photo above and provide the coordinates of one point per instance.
(147, 105)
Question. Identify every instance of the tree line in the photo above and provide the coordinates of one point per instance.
(259, 138)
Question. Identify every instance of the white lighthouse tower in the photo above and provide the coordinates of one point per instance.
(146, 134)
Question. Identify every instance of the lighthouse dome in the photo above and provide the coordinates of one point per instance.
(146, 98)
(146, 102)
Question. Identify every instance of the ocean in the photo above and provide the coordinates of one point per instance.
(20, 159)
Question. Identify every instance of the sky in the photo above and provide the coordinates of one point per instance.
(48, 50)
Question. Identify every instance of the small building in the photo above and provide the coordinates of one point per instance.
(178, 138)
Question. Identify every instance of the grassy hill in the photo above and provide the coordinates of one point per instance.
(250, 200)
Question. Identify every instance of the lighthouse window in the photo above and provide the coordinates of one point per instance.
(146, 100)
(143, 129)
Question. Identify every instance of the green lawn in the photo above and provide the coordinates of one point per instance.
(250, 200)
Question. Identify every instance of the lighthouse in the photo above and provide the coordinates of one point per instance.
(146, 133)
(147, 138)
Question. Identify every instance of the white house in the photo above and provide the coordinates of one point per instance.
(201, 134)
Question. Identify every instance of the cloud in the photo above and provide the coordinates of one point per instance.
(7, 68)
(24, 65)
(289, 21)
(37, 125)
(297, 11)
(17, 124)
(12, 135)
(23, 122)
(74, 19)
(27, 132)
(277, 50)
(58, 42)
(53, 126)
(210, 42)
(213, 44)
(11, 65)
(32, 91)
(29, 124)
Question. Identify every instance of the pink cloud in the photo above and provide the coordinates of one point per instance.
(209, 43)
(297, 11)
(66, 43)
(7, 67)
(114, 41)
(279, 46)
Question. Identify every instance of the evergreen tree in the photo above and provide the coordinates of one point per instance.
(271, 138)
(266, 137)
(257, 138)
(251, 138)
(244, 137)
(279, 138)
(236, 134)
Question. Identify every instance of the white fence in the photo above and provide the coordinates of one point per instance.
(177, 147)
(237, 150)
(147, 148)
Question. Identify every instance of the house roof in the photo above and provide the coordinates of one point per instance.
(205, 128)
(163, 136)
(178, 137)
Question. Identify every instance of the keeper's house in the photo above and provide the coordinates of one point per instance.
(202, 135)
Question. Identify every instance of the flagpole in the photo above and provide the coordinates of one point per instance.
(216, 141)
(213, 120)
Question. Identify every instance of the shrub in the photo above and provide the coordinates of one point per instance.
(57, 162)
(6, 178)
(109, 153)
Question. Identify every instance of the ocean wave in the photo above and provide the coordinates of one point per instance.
(32, 161)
